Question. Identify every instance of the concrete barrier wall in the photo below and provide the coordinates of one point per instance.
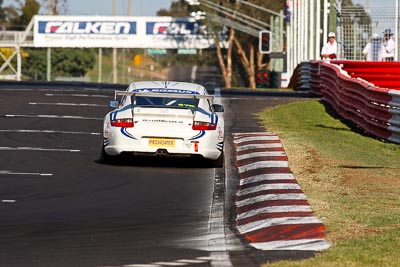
(365, 93)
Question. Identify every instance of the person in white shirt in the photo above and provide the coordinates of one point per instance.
(329, 50)
(374, 49)
(389, 46)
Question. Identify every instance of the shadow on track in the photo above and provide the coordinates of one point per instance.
(154, 161)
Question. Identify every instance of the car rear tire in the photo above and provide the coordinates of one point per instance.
(104, 157)
(219, 162)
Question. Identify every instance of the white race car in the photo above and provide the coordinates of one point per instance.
(164, 118)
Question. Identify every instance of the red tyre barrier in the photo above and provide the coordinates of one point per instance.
(364, 93)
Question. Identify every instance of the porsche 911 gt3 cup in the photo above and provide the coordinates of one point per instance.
(164, 118)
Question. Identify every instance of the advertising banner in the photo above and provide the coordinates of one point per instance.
(120, 32)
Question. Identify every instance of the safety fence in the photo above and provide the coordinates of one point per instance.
(366, 94)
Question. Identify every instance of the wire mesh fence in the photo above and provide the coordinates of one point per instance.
(359, 23)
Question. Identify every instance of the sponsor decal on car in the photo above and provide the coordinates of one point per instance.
(166, 90)
(162, 121)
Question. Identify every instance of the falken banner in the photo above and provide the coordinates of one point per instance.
(120, 32)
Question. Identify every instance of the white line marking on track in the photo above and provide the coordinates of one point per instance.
(14, 90)
(274, 209)
(72, 90)
(258, 188)
(216, 228)
(263, 164)
(46, 131)
(49, 117)
(317, 244)
(261, 154)
(267, 197)
(256, 225)
(267, 177)
(24, 173)
(8, 201)
(39, 149)
(80, 95)
(68, 104)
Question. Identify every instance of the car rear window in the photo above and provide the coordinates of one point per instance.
(165, 102)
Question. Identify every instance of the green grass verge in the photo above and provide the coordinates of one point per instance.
(352, 182)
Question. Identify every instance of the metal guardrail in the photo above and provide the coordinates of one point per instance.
(16, 38)
(372, 108)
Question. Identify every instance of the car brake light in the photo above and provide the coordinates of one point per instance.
(203, 125)
(122, 123)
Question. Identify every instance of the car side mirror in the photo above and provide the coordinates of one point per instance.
(114, 103)
(218, 108)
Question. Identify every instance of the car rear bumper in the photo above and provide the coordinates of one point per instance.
(208, 153)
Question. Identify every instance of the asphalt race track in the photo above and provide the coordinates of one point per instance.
(60, 207)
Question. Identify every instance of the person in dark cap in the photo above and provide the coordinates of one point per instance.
(388, 45)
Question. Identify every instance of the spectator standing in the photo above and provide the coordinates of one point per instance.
(388, 45)
(374, 49)
(329, 50)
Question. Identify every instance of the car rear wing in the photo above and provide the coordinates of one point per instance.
(151, 94)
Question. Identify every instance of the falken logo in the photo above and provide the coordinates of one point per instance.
(87, 27)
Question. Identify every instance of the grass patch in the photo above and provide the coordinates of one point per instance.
(352, 182)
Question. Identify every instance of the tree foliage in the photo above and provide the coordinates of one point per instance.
(239, 62)
(177, 9)
(2, 13)
(17, 17)
(28, 10)
(65, 62)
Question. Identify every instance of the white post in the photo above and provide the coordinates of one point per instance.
(295, 37)
(325, 32)
(396, 31)
(318, 33)
(48, 64)
(289, 42)
(115, 71)
(305, 29)
(19, 63)
(100, 65)
(301, 31)
(312, 30)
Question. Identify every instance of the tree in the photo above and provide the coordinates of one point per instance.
(225, 61)
(2, 13)
(247, 45)
(177, 9)
(67, 62)
(30, 9)
(241, 59)
(56, 7)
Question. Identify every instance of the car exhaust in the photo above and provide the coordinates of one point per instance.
(162, 153)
